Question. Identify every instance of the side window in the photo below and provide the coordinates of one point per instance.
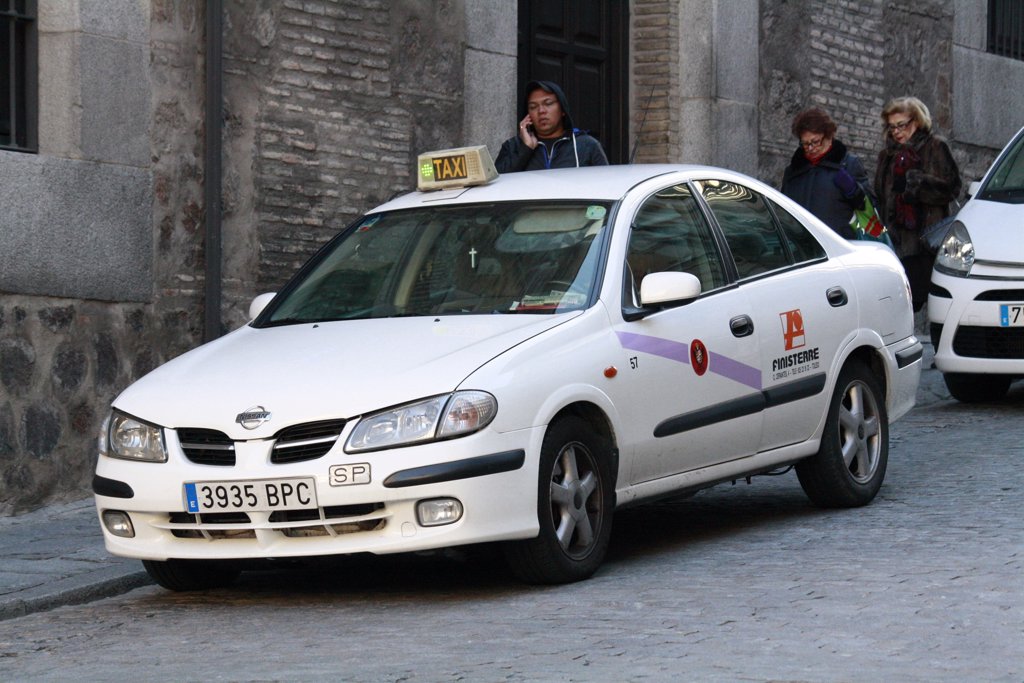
(749, 228)
(18, 56)
(801, 242)
(670, 234)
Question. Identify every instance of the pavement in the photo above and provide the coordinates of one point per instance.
(54, 556)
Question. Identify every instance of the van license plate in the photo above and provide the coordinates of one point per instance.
(244, 496)
(1011, 315)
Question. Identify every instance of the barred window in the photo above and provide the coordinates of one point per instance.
(18, 75)
(1006, 28)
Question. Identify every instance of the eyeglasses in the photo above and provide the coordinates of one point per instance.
(812, 143)
(893, 127)
(547, 104)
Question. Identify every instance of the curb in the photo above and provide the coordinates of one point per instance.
(74, 590)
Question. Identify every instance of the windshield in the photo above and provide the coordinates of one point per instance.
(515, 257)
(1006, 183)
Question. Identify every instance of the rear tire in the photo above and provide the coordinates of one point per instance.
(849, 467)
(191, 575)
(968, 388)
(575, 500)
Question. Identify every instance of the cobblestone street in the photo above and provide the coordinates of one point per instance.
(737, 583)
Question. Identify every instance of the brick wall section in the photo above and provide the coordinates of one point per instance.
(336, 98)
(850, 57)
(829, 54)
(655, 84)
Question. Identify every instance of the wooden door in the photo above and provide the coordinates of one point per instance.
(581, 46)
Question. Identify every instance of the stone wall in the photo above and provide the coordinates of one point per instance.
(104, 282)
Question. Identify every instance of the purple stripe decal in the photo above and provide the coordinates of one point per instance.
(680, 352)
(734, 370)
(656, 346)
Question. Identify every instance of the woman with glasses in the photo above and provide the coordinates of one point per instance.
(915, 181)
(824, 176)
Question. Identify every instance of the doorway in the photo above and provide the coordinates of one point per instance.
(581, 46)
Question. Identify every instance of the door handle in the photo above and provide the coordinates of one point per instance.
(836, 297)
(741, 326)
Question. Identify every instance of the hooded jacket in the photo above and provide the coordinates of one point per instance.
(813, 187)
(574, 148)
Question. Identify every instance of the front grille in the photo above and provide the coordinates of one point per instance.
(306, 441)
(300, 442)
(207, 446)
(989, 342)
(1001, 295)
(212, 518)
(334, 520)
(334, 512)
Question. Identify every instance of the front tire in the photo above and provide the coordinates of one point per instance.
(968, 388)
(191, 575)
(575, 500)
(849, 467)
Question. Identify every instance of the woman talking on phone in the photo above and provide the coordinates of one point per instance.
(547, 137)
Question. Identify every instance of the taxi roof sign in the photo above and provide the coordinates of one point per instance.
(460, 167)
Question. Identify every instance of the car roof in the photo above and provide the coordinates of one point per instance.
(590, 183)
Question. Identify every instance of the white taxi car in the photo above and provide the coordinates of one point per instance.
(510, 362)
(976, 298)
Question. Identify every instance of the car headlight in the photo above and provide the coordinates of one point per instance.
(440, 417)
(956, 253)
(128, 438)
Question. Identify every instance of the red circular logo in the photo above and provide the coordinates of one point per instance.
(698, 357)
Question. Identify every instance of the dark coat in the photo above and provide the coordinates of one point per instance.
(813, 186)
(928, 193)
(575, 148)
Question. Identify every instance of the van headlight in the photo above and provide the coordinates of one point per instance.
(956, 253)
(129, 438)
(432, 419)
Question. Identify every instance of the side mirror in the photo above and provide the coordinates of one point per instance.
(659, 289)
(259, 303)
(973, 188)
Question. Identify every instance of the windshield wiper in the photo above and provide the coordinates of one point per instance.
(288, 321)
(1012, 195)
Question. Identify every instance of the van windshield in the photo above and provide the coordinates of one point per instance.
(1006, 182)
(514, 257)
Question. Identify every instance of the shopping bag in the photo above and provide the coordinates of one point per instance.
(868, 226)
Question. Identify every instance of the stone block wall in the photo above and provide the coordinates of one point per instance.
(100, 249)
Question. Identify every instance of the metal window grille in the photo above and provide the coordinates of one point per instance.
(1006, 28)
(18, 105)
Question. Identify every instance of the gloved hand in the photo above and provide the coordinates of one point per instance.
(914, 178)
(845, 182)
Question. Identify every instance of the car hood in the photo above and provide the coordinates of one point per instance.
(996, 228)
(309, 372)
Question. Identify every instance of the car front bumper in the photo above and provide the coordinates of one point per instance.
(493, 476)
(965, 321)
